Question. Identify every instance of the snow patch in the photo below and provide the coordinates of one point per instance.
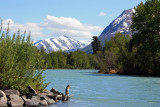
(125, 24)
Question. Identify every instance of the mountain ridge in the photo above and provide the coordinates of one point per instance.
(121, 24)
(63, 43)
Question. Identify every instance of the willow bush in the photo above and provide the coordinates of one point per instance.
(20, 62)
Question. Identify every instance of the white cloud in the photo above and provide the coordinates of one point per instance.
(34, 28)
(69, 26)
(57, 25)
(102, 14)
(69, 23)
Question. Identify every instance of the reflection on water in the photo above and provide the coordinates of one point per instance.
(92, 89)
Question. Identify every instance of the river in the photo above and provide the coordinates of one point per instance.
(90, 89)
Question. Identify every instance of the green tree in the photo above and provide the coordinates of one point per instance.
(62, 59)
(115, 53)
(79, 60)
(96, 45)
(146, 38)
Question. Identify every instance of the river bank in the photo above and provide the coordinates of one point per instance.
(14, 98)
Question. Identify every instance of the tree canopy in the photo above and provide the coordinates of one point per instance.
(146, 38)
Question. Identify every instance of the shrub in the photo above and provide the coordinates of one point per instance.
(20, 63)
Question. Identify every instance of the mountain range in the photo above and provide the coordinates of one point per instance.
(121, 24)
(63, 43)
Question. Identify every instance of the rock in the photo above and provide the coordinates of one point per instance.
(50, 101)
(10, 91)
(47, 93)
(26, 101)
(35, 101)
(43, 103)
(31, 90)
(44, 97)
(1, 93)
(3, 99)
(15, 100)
(3, 105)
(24, 98)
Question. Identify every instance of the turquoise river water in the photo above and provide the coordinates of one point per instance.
(90, 89)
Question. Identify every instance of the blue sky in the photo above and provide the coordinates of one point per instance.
(80, 19)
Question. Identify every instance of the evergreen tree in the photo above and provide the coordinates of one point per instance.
(96, 45)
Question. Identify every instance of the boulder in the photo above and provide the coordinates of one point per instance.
(8, 92)
(3, 99)
(35, 101)
(15, 100)
(43, 103)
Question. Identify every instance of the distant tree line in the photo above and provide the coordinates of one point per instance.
(71, 60)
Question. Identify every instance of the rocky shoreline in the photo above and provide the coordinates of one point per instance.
(14, 98)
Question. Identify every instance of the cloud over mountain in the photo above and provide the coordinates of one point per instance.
(57, 26)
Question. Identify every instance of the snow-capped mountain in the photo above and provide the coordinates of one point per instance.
(120, 24)
(63, 43)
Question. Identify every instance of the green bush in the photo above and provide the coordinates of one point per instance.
(20, 63)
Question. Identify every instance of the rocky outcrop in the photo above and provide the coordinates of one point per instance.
(13, 98)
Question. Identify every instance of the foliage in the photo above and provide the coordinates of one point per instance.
(96, 45)
(79, 59)
(146, 40)
(20, 63)
(114, 53)
(141, 54)
(72, 60)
